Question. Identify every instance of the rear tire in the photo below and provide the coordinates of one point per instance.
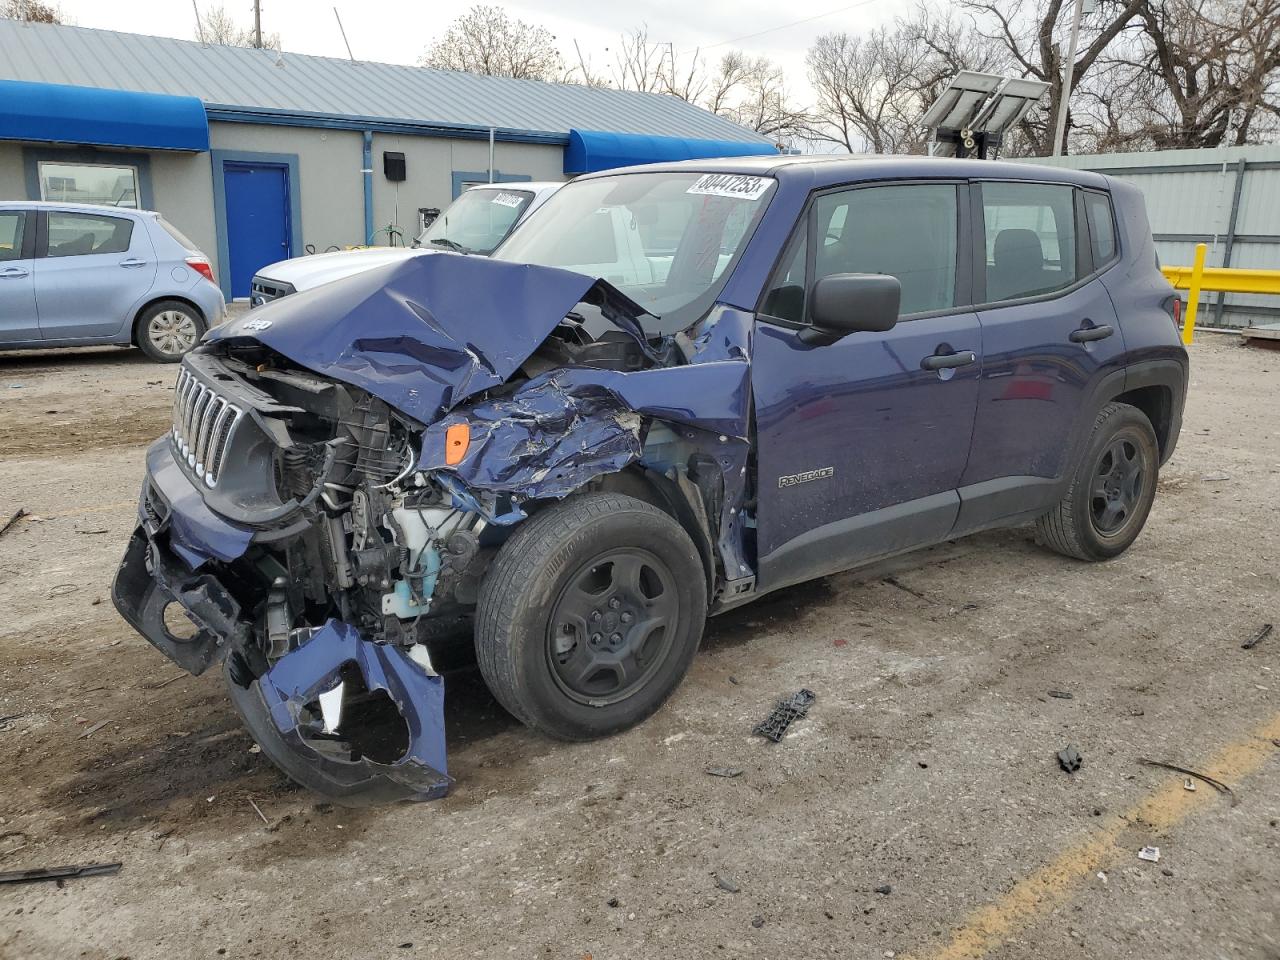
(1111, 491)
(590, 615)
(168, 329)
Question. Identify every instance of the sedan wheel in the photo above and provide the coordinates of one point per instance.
(167, 330)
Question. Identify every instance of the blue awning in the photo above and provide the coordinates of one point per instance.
(107, 118)
(592, 150)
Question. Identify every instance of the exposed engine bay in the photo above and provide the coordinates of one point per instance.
(325, 534)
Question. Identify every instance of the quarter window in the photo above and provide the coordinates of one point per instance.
(108, 185)
(11, 235)
(1030, 239)
(907, 231)
(786, 296)
(79, 234)
(1102, 228)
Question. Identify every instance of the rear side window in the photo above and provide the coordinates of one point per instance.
(11, 222)
(1102, 228)
(79, 234)
(907, 231)
(1030, 239)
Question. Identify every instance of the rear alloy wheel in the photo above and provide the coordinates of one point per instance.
(590, 615)
(167, 330)
(1111, 491)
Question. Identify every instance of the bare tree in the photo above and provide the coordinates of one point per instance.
(219, 27)
(32, 10)
(759, 100)
(1027, 32)
(486, 40)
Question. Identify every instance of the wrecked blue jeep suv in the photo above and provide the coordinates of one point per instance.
(676, 389)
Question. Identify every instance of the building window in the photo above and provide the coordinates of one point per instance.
(110, 185)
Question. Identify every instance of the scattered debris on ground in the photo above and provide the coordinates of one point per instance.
(784, 714)
(726, 883)
(725, 771)
(61, 873)
(1061, 695)
(1151, 854)
(1069, 759)
(1216, 784)
(884, 889)
(1263, 632)
(90, 731)
(17, 515)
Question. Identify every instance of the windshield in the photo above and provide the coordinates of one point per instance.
(477, 221)
(666, 240)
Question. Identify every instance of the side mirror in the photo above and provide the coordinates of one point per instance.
(845, 303)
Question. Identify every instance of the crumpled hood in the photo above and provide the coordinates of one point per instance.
(422, 334)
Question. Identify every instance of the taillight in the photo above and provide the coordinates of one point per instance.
(201, 266)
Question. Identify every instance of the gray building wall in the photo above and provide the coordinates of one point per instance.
(330, 180)
(430, 164)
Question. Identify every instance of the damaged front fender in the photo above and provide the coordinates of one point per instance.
(384, 739)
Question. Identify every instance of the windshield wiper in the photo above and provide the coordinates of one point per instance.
(448, 244)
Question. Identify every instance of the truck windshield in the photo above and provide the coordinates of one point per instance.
(667, 240)
(477, 221)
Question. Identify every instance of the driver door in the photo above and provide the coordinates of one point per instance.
(861, 443)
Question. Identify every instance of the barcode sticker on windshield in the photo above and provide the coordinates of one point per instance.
(507, 200)
(732, 185)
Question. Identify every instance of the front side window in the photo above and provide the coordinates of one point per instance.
(477, 221)
(11, 223)
(1030, 239)
(908, 231)
(103, 184)
(80, 234)
(1102, 228)
(666, 240)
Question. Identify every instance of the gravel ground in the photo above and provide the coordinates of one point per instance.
(925, 769)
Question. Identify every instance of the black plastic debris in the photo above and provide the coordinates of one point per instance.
(17, 515)
(757, 922)
(884, 889)
(1069, 759)
(725, 771)
(784, 714)
(1061, 694)
(61, 873)
(1257, 638)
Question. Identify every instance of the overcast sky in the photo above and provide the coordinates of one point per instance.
(397, 31)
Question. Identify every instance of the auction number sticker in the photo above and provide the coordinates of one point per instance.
(734, 185)
(507, 200)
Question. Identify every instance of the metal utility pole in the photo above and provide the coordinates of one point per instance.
(1068, 75)
(199, 26)
(343, 31)
(257, 21)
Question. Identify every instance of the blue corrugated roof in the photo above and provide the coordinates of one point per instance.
(592, 150)
(279, 86)
(106, 118)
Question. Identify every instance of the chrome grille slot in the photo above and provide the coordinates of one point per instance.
(203, 425)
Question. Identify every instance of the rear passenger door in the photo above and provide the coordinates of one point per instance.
(17, 282)
(92, 274)
(1049, 332)
(862, 442)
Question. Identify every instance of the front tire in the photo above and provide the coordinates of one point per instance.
(166, 330)
(1111, 491)
(590, 615)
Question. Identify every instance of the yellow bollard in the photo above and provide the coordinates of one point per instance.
(1193, 294)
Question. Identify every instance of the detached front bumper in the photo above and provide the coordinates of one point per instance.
(174, 556)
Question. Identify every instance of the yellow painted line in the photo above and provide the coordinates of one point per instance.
(1055, 883)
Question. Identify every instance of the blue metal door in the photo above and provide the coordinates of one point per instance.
(258, 228)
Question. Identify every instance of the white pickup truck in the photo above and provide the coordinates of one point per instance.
(480, 219)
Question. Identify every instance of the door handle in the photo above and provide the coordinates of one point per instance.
(15, 272)
(1086, 334)
(949, 361)
(133, 262)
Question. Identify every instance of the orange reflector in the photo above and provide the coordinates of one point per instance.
(456, 440)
